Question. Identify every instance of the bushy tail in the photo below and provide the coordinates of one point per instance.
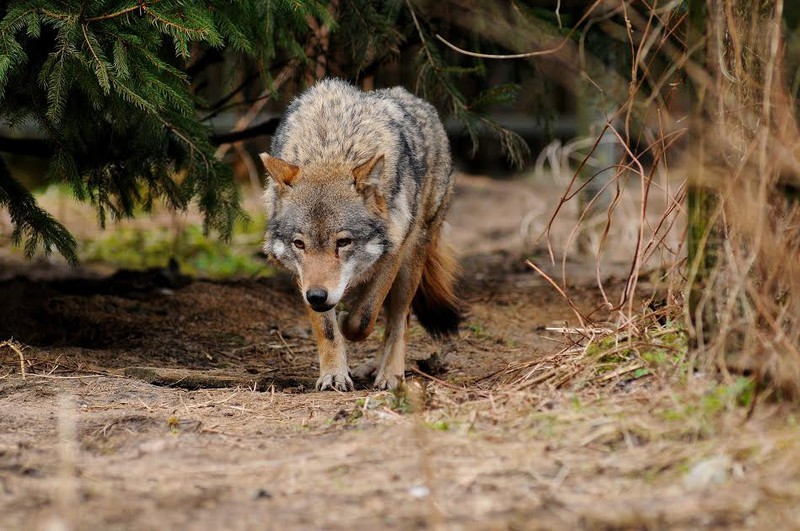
(436, 303)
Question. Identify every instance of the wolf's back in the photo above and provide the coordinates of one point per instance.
(335, 121)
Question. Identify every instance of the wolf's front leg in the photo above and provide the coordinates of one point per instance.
(398, 304)
(333, 371)
(359, 322)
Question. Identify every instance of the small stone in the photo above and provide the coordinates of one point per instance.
(419, 491)
(262, 494)
(708, 472)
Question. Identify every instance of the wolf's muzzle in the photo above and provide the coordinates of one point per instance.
(318, 299)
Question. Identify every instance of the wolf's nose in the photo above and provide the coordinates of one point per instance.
(316, 296)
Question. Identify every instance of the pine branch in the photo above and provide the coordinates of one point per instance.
(513, 145)
(141, 7)
(32, 225)
(101, 64)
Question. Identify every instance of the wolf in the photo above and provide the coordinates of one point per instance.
(359, 184)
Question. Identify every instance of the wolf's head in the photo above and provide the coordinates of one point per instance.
(327, 223)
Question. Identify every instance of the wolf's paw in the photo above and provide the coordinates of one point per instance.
(366, 370)
(335, 382)
(387, 382)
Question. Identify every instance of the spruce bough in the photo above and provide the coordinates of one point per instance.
(108, 85)
(111, 89)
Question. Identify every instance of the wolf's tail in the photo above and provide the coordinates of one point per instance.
(436, 303)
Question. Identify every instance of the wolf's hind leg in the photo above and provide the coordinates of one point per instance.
(398, 304)
(333, 371)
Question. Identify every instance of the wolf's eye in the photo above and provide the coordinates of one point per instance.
(299, 244)
(343, 242)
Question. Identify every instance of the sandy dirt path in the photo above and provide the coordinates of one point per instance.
(101, 435)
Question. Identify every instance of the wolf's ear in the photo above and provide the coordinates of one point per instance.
(369, 173)
(285, 174)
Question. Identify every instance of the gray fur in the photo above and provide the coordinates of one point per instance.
(360, 185)
(336, 123)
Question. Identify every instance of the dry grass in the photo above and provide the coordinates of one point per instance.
(748, 315)
(730, 133)
(706, 414)
(15, 347)
(675, 408)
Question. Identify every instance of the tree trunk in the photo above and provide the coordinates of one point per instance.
(702, 202)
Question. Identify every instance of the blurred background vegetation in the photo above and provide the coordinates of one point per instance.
(137, 105)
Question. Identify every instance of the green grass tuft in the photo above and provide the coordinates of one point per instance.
(198, 254)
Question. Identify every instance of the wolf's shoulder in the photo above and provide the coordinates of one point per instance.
(340, 93)
(404, 98)
(336, 121)
(330, 87)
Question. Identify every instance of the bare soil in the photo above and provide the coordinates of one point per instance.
(157, 401)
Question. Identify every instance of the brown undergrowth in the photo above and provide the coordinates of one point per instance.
(707, 123)
(747, 275)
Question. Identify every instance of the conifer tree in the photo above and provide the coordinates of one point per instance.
(112, 88)
(109, 85)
